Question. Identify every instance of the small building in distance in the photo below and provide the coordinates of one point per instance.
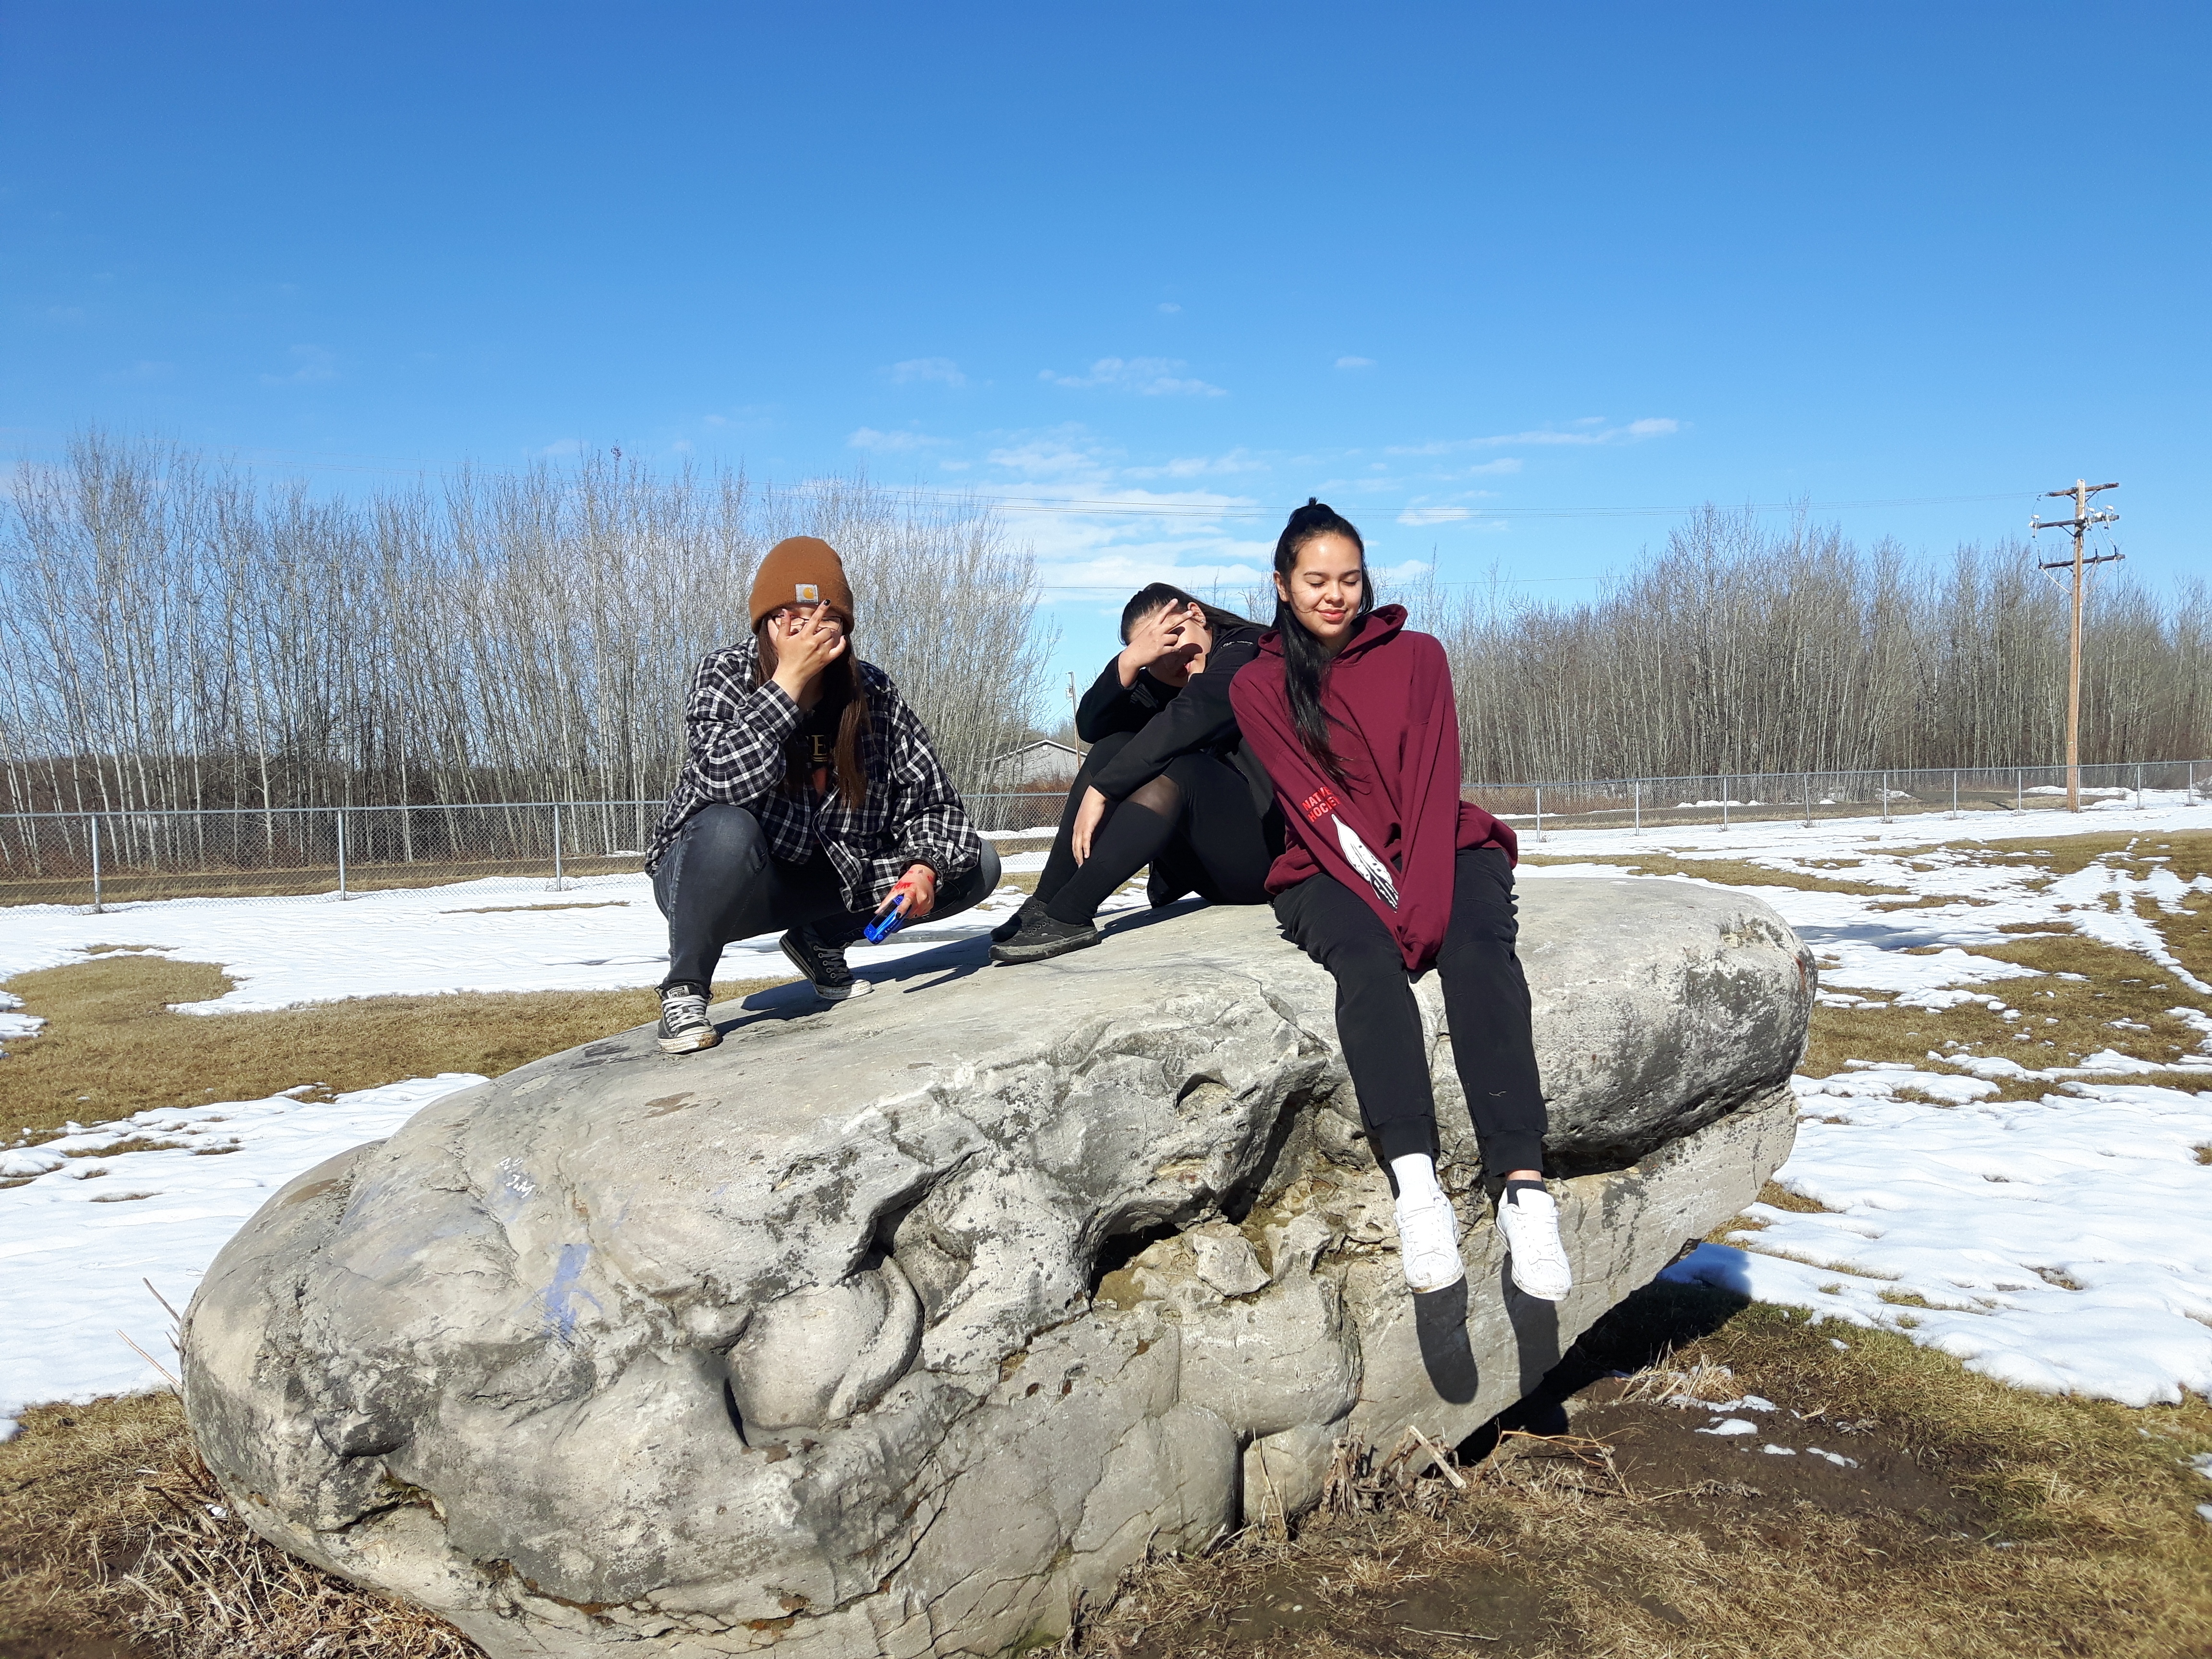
(1044, 763)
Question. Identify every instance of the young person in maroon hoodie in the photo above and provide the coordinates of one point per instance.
(1387, 873)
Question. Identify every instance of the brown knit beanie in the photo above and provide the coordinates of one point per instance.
(802, 570)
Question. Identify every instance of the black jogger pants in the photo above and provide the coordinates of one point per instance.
(1486, 1005)
(718, 882)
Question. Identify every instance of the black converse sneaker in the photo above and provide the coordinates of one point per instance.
(823, 965)
(684, 1026)
(1012, 925)
(1043, 935)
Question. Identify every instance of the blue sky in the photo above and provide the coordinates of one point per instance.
(1497, 281)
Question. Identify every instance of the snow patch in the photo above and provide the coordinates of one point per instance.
(74, 1252)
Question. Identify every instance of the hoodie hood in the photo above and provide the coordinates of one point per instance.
(1375, 628)
(1394, 731)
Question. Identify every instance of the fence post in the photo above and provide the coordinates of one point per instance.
(1724, 795)
(1885, 798)
(1808, 800)
(1539, 814)
(1954, 792)
(2138, 785)
(342, 838)
(1636, 794)
(95, 863)
(559, 884)
(2020, 789)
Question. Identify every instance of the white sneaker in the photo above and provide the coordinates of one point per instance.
(1428, 1241)
(1529, 1218)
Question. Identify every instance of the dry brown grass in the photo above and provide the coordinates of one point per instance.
(2066, 1019)
(2188, 850)
(2092, 1547)
(1729, 872)
(110, 1046)
(113, 1539)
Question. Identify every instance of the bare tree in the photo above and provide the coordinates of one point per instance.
(180, 635)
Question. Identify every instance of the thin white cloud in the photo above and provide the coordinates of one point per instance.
(890, 443)
(1199, 466)
(310, 363)
(942, 370)
(1419, 517)
(1065, 452)
(1355, 362)
(1169, 307)
(1147, 377)
(1633, 432)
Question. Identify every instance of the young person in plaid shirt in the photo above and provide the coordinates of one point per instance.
(811, 800)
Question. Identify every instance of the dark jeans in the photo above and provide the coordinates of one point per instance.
(1194, 824)
(1485, 1003)
(718, 882)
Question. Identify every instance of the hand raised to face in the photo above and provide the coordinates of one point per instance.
(1160, 640)
(807, 640)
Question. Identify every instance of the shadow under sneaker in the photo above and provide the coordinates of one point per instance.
(685, 1027)
(823, 964)
(1041, 937)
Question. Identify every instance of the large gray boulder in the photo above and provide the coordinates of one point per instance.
(891, 1328)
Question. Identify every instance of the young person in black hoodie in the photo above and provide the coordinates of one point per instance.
(1169, 782)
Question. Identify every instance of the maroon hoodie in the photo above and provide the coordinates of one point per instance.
(1396, 736)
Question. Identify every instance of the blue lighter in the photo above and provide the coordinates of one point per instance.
(889, 922)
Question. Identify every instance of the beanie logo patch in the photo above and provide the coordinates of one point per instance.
(808, 593)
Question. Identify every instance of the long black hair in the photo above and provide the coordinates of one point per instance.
(1153, 595)
(1305, 659)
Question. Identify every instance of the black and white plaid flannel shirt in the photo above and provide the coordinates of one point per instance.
(740, 728)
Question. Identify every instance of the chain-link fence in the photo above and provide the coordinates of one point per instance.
(1638, 804)
(103, 859)
(100, 860)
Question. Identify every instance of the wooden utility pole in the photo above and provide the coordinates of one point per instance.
(2080, 523)
(1073, 707)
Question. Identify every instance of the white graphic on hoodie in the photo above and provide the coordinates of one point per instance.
(1356, 855)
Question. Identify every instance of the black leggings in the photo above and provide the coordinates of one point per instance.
(718, 882)
(1485, 1006)
(1194, 823)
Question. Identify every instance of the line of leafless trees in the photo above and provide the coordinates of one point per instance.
(1744, 646)
(176, 633)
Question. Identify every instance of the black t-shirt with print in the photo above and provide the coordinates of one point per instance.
(815, 746)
